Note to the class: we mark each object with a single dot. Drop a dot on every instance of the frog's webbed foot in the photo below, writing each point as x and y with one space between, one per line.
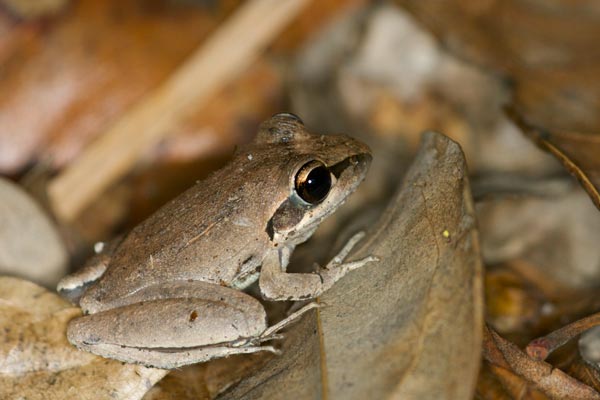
276 284
271 332
337 268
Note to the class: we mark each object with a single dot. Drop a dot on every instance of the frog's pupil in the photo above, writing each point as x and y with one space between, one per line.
314 186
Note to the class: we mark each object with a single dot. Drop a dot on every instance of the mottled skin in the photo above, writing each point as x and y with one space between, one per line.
168 294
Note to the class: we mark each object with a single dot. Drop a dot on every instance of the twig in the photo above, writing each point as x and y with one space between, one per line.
541 347
223 56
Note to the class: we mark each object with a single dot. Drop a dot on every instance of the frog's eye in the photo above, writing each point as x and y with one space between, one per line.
313 182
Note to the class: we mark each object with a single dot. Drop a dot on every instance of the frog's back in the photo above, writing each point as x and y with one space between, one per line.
207 234
221 228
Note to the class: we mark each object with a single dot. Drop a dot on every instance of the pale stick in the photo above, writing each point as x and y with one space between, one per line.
223 56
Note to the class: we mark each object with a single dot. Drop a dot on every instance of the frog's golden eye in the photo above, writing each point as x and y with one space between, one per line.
313 182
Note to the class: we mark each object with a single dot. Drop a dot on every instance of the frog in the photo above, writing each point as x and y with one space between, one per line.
173 291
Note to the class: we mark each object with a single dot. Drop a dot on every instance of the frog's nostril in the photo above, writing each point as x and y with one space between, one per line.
91 340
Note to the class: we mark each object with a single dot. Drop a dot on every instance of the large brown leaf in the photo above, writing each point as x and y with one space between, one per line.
414 320
409 326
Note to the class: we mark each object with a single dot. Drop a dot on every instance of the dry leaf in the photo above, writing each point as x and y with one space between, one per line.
556 234
413 321
549 53
72 72
30 246
504 355
208 380
548 50
380 70
499 383
512 304
585 371
27 9
578 152
589 345
37 361
295 374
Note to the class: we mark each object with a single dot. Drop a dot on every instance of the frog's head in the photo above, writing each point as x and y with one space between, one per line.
320 172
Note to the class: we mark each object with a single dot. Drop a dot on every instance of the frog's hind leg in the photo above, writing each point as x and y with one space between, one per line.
166 359
174 324
271 332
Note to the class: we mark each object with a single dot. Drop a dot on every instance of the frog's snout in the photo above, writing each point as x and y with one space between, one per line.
358 163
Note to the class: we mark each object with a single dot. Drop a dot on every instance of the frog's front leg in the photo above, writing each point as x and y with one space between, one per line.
175 324
276 284
74 285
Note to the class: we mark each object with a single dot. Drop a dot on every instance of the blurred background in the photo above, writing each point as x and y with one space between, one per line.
108 109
